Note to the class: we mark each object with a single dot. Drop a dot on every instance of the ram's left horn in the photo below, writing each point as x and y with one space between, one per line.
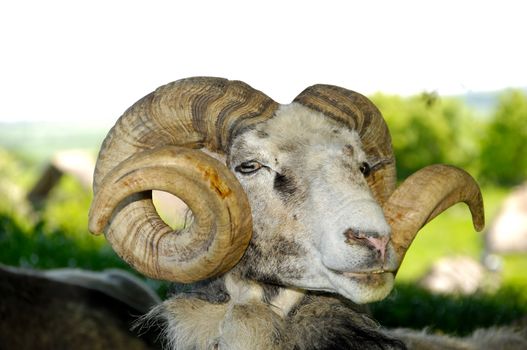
426 194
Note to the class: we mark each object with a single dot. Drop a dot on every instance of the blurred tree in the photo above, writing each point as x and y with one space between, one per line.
504 144
427 129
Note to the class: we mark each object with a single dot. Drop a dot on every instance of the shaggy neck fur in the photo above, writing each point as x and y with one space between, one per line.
231 313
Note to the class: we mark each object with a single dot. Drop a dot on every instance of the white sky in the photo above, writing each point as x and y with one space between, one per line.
90 60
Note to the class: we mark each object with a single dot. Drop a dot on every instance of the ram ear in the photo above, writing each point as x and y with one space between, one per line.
426 194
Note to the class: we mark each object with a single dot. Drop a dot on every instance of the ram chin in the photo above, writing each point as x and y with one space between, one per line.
362 288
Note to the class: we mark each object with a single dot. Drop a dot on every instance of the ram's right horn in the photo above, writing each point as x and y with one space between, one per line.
426 194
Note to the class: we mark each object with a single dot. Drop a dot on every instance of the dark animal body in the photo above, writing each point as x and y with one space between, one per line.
38 312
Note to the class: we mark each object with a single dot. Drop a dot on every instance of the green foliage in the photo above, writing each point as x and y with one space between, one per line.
504 144
427 129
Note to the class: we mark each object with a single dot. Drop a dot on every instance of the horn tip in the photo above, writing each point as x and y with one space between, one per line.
478 213
479 223
96 223
95 228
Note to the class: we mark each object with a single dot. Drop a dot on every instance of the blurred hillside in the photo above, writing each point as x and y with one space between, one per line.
38 141
483 102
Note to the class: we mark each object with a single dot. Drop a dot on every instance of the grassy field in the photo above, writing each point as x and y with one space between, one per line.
57 236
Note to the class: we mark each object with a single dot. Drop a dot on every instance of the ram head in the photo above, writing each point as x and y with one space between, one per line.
303 195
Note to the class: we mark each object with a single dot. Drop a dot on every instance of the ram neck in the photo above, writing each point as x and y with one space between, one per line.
280 299
235 313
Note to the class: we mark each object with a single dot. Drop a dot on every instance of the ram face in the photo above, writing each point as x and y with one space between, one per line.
306 196
318 225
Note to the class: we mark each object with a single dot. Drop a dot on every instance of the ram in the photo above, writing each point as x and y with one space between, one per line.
296 216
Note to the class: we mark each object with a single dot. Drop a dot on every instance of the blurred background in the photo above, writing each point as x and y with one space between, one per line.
449 77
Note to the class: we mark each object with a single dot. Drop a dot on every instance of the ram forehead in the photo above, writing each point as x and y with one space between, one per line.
294 129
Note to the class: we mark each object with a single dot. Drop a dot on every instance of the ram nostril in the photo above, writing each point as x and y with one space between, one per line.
373 240
352 235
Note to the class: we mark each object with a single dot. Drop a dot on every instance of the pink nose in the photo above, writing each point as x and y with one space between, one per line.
371 239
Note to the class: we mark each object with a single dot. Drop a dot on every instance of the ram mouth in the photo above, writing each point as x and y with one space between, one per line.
374 277
360 274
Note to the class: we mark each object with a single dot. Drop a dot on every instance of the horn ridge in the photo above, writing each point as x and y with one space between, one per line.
239 119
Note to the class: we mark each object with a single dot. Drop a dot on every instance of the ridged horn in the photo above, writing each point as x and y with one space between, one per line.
424 195
154 146
357 112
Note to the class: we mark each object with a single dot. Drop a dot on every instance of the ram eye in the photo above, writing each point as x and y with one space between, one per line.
365 169
249 167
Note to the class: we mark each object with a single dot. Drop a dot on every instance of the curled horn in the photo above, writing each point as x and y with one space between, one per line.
426 194
154 145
